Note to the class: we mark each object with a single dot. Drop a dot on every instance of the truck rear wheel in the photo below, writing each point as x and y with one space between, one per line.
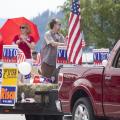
83 110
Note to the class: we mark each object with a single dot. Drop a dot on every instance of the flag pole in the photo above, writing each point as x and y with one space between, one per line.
71 2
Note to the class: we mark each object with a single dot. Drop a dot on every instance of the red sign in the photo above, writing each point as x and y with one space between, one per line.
36 79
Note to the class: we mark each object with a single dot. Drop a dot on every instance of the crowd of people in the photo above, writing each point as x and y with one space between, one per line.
52 39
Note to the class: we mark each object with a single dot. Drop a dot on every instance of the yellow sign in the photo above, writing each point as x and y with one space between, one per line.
10 77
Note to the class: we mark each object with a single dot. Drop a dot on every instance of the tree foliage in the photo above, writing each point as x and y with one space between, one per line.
100 21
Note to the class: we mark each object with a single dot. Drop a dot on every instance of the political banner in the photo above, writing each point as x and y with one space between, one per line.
27 79
1 65
10 53
62 55
36 79
41 79
8 96
99 55
1 76
10 76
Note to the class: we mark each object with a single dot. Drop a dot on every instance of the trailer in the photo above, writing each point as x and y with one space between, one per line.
38 101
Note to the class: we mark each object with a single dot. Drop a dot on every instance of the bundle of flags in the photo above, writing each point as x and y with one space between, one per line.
75 36
21 58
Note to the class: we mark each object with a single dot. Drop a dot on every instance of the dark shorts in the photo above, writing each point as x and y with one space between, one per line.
47 70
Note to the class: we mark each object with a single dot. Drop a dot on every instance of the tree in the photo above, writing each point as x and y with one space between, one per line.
100 21
66 9
42 21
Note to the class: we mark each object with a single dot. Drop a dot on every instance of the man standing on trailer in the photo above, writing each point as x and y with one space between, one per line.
53 38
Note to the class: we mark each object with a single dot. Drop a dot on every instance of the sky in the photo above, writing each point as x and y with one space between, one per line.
27 8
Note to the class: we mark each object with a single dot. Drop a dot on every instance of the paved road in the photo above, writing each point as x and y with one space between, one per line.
11 117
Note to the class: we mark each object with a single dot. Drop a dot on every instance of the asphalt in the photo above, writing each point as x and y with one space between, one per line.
11 117
16 117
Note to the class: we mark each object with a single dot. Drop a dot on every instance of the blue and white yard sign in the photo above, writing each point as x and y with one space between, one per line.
99 55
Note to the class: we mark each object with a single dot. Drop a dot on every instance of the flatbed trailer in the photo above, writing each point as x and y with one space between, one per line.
46 109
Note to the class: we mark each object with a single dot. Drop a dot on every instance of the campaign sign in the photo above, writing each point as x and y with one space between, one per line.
99 55
8 96
1 65
62 55
41 79
36 79
0 75
27 78
10 76
10 53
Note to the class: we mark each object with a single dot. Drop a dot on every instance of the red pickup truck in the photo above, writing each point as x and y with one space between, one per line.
91 92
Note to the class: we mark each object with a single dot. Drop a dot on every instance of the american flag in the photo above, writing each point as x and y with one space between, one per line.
75 40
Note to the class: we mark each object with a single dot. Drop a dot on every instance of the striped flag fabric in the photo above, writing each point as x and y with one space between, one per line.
21 56
74 49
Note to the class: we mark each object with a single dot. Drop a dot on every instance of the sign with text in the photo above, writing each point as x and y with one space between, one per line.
99 55
10 76
62 55
8 96
1 75
10 53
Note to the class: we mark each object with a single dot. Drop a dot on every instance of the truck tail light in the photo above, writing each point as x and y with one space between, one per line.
60 80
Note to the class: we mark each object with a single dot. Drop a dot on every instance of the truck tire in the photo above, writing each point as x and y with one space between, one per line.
83 110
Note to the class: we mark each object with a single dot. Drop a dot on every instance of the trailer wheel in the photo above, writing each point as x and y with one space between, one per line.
83 110
29 117
37 117
53 117
34 117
